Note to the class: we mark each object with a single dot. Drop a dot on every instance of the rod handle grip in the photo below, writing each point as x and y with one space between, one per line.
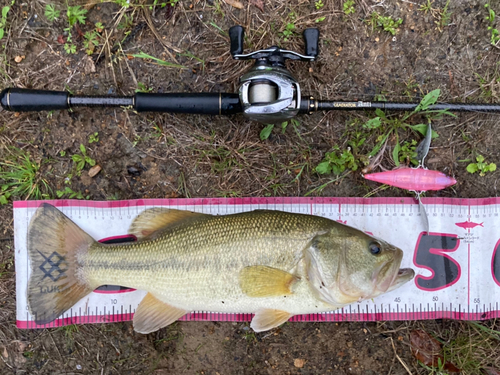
26 100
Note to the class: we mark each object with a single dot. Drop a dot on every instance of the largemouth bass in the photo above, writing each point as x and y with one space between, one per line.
271 263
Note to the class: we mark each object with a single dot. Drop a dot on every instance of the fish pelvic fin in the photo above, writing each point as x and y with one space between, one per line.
56 247
153 314
264 281
155 219
266 319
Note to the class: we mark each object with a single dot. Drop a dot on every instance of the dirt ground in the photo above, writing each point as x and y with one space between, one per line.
169 156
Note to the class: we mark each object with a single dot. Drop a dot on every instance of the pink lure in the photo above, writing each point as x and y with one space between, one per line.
418 179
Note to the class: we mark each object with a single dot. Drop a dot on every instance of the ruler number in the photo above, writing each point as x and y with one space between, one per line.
397 299
433 253
435 298
114 301
477 300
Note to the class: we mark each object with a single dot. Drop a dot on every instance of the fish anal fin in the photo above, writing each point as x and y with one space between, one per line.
154 219
153 314
265 319
264 281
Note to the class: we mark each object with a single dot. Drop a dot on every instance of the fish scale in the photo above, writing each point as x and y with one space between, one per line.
177 265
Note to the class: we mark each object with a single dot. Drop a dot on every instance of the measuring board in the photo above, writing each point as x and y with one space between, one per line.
457 264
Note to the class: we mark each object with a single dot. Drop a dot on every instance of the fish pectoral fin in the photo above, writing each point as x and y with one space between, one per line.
154 219
265 319
264 281
153 314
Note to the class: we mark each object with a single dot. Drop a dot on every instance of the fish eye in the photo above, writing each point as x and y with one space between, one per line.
374 248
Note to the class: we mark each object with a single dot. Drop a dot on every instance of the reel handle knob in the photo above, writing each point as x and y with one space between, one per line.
236 35
311 39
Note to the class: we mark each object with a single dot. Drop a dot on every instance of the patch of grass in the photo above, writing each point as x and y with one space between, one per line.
427 7
69 193
3 19
163 3
94 137
76 14
122 3
141 87
92 38
387 23
348 7
289 30
69 330
21 178
488 86
407 152
51 12
441 16
266 132
222 159
473 347
337 161
481 166
81 159
161 62
127 22
191 56
494 33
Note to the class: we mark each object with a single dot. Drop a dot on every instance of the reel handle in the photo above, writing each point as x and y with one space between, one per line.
272 54
311 41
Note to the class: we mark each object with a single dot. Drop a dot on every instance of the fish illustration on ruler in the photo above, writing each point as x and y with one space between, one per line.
468 225
270 263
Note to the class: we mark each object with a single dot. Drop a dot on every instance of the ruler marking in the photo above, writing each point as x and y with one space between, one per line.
319 207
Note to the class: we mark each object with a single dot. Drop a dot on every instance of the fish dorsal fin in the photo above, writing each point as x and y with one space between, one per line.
153 314
265 319
264 281
154 219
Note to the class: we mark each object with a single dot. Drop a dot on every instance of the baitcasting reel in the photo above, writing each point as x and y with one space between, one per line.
268 92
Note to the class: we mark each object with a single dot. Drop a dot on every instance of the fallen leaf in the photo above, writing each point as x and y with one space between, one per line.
94 170
89 66
18 59
427 350
234 3
298 362
258 3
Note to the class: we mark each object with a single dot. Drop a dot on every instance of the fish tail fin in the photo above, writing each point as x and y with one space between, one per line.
56 247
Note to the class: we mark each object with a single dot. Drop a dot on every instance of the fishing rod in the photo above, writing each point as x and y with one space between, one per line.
268 92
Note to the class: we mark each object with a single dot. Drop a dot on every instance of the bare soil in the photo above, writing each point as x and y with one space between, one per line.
168 156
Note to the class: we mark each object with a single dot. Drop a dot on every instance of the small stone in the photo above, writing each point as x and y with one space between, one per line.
298 362
377 39
94 170
18 59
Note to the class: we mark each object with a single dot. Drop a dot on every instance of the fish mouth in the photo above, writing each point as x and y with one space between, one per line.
384 282
402 277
